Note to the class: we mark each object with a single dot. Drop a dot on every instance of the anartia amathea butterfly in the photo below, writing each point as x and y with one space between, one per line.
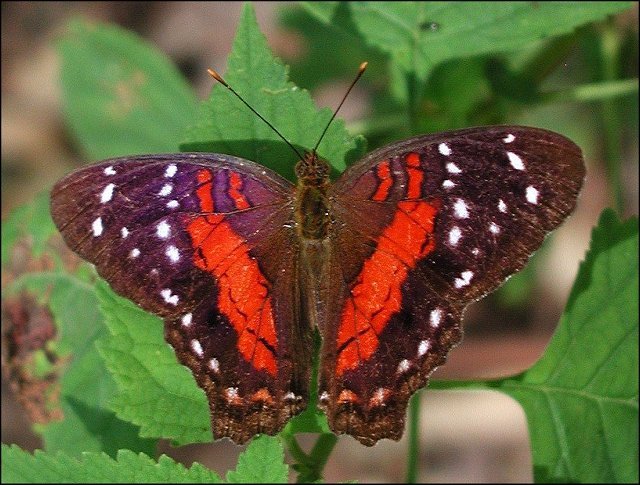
241 264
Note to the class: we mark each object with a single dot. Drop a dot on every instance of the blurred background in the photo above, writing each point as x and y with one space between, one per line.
466 436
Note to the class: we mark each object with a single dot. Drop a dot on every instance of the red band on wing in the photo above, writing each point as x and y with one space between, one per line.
204 190
384 174
377 295
243 295
235 187
415 176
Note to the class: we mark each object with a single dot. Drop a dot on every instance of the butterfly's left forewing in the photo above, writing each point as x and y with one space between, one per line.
206 242
420 229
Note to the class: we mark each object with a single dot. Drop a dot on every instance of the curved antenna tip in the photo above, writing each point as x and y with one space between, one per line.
214 74
361 69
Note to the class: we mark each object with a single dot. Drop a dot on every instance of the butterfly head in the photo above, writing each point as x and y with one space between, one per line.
312 171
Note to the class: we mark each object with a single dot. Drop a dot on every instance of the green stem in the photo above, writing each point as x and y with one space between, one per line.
413 438
310 466
292 445
469 384
611 122
320 455
600 91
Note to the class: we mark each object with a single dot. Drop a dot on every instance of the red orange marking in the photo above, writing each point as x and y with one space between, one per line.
263 395
243 296
415 176
377 296
384 174
347 396
235 187
204 191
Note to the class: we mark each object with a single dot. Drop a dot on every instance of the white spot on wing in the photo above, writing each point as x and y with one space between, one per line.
187 319
453 168
135 252
214 365
378 397
435 317
232 392
107 193
124 232
494 228
96 227
509 138
109 170
447 184
172 204
454 235
460 209
173 254
163 230
324 397
444 149
197 348
171 170
515 160
424 347
502 207
289 396
464 280
168 297
403 366
165 190
475 251
532 195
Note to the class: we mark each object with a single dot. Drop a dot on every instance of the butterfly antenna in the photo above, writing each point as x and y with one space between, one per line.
218 78
361 70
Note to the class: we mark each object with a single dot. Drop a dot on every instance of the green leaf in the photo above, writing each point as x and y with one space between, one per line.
31 221
329 53
155 391
311 420
19 466
261 462
121 96
420 35
225 125
581 397
85 386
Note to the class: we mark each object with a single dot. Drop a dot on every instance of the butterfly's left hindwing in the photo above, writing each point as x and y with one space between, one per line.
206 242
421 228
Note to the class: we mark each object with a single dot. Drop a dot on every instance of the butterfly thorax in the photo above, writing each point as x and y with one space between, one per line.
312 213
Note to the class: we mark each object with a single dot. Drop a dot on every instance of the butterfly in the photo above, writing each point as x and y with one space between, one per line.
242 264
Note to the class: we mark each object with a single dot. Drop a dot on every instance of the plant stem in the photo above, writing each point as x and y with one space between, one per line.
600 91
610 50
413 438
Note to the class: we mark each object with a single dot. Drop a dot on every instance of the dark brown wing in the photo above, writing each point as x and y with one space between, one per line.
205 241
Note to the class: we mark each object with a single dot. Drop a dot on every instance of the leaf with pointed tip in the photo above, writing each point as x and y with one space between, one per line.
225 125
